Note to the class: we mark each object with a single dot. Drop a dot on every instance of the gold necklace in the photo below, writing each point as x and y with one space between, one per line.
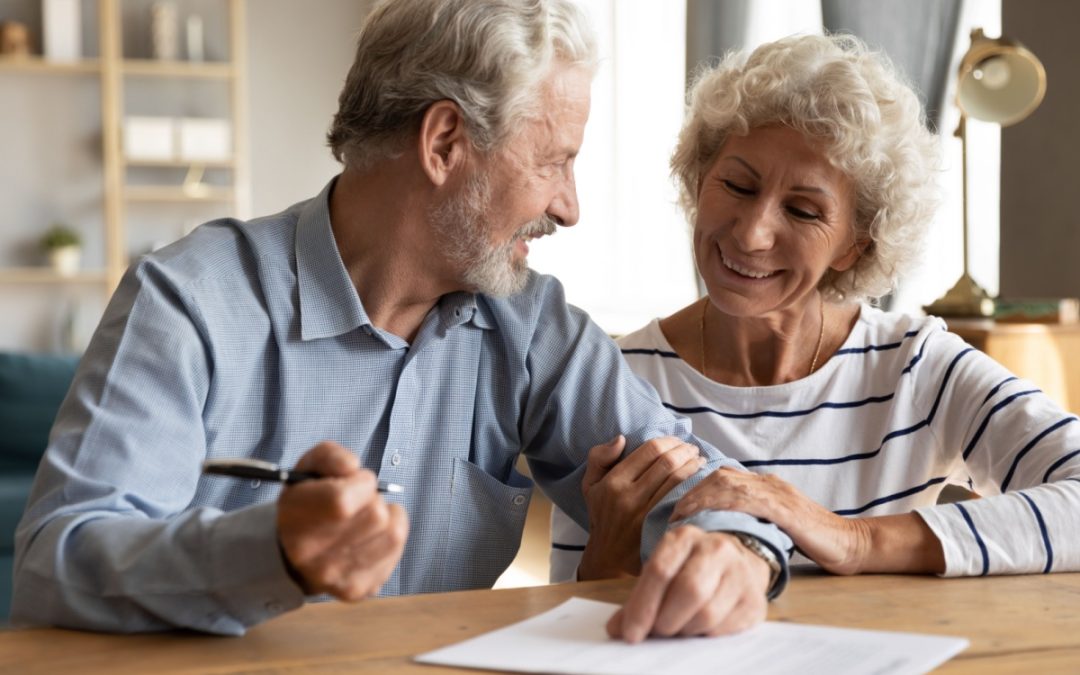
817 349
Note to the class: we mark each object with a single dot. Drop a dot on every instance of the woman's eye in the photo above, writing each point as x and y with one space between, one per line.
737 189
803 215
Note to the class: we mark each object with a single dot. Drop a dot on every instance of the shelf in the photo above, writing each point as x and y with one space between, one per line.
36 64
182 69
165 193
178 163
46 275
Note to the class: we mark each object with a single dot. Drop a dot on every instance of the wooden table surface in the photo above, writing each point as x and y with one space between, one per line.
1015 624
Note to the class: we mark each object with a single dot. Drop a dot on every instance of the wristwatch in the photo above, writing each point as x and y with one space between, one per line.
762 551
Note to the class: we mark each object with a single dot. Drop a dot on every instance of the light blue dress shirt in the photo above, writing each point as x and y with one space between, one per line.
248 339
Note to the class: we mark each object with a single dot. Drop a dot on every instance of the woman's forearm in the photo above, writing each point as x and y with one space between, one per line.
901 544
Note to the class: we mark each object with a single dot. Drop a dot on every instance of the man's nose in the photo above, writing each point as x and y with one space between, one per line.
563 208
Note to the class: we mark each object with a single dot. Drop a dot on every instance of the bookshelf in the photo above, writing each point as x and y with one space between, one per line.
114 74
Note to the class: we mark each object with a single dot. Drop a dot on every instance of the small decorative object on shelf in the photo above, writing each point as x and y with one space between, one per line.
14 39
62 26
204 139
64 249
164 41
149 138
196 46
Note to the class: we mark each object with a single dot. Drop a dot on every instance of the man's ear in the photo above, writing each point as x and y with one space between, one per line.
443 143
851 256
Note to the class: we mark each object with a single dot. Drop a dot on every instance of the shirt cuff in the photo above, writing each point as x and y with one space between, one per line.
250 576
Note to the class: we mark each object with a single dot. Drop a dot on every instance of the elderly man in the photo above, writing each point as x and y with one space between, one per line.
394 315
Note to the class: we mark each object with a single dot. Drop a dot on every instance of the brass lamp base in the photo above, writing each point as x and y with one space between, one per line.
965 299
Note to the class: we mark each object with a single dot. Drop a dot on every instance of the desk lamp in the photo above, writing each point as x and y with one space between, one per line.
998 81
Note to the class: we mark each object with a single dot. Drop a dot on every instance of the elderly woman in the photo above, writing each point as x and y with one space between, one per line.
807 173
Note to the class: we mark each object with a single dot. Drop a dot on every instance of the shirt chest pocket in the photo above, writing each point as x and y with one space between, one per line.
485 524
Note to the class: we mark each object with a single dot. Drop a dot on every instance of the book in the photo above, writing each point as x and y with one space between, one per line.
1037 310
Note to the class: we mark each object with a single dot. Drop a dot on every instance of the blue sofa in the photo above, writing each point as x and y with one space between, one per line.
31 390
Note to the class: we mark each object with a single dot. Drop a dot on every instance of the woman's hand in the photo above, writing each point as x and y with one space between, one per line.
839 545
620 494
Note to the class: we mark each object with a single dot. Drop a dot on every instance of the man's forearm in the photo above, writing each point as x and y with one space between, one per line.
202 571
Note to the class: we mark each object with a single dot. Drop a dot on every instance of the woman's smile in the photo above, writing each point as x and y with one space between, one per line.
752 273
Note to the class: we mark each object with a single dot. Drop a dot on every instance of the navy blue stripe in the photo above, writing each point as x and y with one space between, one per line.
1055 465
888 437
1020 455
999 386
945 381
918 356
978 539
566 547
840 352
652 352
876 348
1045 534
993 411
780 413
837 460
891 498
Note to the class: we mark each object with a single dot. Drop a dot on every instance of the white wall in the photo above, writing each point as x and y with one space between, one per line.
299 55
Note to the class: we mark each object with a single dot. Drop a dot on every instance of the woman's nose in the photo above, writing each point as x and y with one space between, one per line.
754 228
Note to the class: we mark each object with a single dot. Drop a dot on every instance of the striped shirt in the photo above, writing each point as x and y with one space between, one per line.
902 409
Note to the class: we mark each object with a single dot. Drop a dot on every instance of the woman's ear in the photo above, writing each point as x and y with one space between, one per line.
849 257
443 142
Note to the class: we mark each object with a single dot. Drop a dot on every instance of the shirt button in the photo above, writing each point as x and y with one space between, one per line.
395 459
255 484
273 607
457 312
519 500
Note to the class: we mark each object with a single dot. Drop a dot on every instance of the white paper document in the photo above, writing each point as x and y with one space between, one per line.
571 639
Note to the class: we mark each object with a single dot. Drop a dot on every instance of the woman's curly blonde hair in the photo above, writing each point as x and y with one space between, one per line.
835 90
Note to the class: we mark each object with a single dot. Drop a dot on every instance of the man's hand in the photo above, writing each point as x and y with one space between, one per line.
621 494
337 533
695 583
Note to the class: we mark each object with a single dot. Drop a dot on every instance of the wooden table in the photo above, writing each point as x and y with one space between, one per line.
1015 624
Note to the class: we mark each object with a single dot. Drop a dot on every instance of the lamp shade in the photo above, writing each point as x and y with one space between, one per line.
999 80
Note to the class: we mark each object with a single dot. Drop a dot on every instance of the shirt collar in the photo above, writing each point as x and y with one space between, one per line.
456 309
329 303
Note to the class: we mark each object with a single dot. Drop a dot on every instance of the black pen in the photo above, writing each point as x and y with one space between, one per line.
260 470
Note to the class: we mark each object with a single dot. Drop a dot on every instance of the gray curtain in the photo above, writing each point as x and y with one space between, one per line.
713 27
918 35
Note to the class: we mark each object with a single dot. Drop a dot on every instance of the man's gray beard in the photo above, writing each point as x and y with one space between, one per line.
462 230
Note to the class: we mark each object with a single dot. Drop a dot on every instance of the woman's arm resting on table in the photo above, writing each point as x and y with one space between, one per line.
899 544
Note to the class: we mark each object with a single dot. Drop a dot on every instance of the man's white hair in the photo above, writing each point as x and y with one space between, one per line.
488 56
833 89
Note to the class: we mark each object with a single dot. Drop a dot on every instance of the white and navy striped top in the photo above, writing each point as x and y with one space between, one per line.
902 409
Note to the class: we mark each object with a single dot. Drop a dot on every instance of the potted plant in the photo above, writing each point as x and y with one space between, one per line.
63 246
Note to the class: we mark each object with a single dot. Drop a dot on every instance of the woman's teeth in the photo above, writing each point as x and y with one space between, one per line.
743 271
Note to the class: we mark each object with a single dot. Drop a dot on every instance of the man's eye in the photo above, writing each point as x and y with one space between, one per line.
737 189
